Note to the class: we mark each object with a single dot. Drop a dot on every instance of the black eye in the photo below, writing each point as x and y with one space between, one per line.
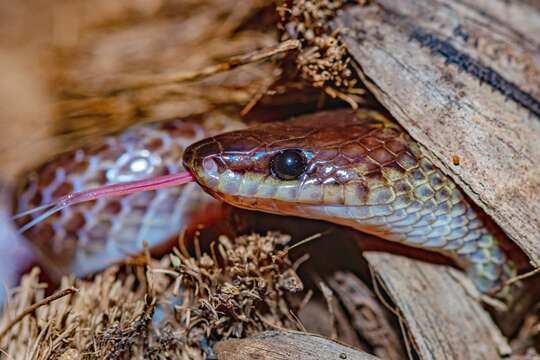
288 164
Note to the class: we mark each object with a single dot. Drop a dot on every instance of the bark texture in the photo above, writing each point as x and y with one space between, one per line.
293 345
463 78
443 320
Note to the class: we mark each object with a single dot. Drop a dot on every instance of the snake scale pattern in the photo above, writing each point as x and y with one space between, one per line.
354 168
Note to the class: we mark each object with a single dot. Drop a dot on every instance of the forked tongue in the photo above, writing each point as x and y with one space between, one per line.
118 189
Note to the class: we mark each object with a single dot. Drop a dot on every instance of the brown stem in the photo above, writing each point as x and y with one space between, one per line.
138 82
33 307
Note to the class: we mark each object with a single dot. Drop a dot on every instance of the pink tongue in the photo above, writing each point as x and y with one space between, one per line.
118 189
125 188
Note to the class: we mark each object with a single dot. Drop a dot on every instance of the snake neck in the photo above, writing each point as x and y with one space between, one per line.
434 216
360 170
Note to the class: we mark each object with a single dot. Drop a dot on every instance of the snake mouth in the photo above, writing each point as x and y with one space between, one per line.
236 178
199 160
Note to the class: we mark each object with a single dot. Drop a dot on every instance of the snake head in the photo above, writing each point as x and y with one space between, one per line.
355 169
329 158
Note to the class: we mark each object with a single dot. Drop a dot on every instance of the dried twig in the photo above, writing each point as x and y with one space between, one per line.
520 277
132 82
330 302
33 307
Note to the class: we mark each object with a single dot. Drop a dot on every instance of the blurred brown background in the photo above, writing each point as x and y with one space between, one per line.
69 67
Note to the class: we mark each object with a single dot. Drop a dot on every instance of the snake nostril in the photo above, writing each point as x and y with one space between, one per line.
195 153
209 166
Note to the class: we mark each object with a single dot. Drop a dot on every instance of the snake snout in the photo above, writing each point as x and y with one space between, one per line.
198 158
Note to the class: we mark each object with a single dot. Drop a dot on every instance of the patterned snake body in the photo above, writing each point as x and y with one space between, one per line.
90 236
357 169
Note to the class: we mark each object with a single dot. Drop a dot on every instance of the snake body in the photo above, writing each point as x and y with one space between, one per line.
90 236
361 170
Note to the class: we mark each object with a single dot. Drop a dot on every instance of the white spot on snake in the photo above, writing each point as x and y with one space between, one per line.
133 165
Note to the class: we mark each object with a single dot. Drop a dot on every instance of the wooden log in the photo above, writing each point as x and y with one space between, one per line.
287 345
368 315
442 319
463 79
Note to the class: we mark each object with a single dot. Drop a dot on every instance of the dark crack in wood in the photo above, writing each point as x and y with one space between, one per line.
448 110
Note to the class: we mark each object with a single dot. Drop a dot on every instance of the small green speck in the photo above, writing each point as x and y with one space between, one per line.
342 356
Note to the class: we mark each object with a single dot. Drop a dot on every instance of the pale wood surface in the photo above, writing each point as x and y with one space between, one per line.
287 345
416 56
442 319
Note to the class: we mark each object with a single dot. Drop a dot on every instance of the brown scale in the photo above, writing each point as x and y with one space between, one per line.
380 159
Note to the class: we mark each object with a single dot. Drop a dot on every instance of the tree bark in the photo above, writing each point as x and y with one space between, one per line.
463 78
285 345
442 320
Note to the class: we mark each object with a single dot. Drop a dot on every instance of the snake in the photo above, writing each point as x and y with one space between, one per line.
356 168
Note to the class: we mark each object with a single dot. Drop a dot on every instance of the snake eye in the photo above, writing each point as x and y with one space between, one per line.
288 164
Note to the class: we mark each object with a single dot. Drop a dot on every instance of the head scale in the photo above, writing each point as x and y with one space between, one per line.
330 158
354 169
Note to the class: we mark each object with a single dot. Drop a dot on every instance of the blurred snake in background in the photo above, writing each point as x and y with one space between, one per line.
353 168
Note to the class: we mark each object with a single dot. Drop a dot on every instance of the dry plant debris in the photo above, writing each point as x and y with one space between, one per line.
71 53
323 60
64 57
527 340
177 307
177 41
244 296
279 345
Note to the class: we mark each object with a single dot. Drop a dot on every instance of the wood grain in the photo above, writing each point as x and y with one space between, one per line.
465 83
443 321
285 345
